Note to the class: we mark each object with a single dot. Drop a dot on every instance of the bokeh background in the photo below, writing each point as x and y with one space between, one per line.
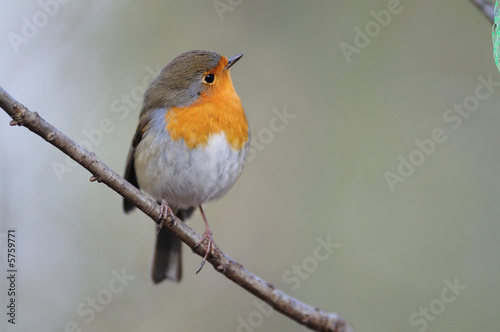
351 120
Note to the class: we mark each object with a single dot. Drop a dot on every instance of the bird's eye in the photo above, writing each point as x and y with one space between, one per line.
210 78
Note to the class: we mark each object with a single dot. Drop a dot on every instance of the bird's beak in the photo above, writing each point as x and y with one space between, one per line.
233 60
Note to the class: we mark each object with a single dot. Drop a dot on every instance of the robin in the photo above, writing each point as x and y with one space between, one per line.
189 147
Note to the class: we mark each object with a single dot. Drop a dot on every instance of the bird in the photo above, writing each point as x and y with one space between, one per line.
189 147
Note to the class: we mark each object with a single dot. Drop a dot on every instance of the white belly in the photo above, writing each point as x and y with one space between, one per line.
183 177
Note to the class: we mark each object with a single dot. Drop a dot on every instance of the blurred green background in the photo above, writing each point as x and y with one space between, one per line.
321 175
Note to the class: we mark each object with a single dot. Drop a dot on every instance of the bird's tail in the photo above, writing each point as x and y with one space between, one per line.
167 261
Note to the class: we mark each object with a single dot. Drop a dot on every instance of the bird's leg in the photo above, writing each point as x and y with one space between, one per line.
165 210
206 235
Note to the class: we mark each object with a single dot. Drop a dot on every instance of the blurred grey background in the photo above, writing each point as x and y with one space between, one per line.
419 253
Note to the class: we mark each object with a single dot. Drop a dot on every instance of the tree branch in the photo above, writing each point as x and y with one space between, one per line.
487 8
302 313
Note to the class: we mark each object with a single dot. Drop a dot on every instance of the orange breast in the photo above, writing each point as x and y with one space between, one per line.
218 110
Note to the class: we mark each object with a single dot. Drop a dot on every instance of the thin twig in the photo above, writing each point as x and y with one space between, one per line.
302 313
487 8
